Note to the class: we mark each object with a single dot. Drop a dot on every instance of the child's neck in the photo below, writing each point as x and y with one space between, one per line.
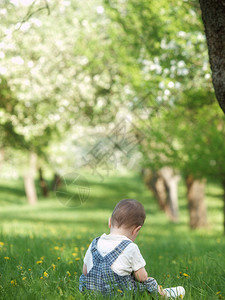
121 231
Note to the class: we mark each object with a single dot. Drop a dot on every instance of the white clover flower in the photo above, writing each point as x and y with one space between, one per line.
171 84
100 10
17 60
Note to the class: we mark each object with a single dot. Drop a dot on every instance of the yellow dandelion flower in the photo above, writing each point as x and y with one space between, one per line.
74 254
53 267
29 270
45 274
24 278
75 273
119 291
13 282
56 248
68 274
39 262
42 258
77 258
2 244
58 258
168 275
6 258
41 277
181 296
76 249
217 293
185 275
82 248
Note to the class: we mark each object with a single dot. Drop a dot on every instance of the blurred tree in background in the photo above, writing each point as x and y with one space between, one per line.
168 42
71 71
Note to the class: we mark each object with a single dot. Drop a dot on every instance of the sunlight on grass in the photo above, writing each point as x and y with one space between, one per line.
41 248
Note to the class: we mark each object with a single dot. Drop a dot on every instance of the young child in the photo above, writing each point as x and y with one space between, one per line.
113 262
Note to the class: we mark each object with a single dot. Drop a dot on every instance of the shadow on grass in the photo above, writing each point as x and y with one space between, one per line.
215 195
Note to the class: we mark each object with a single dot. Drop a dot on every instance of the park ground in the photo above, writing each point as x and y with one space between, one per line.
41 247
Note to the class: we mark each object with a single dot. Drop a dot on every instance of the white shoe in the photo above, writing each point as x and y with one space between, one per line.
175 292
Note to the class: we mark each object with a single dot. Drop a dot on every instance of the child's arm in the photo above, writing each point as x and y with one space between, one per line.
85 269
87 259
141 274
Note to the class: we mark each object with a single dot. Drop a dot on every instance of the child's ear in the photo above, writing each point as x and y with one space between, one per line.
109 222
136 229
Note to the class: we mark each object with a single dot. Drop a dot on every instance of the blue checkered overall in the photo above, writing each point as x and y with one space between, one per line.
102 279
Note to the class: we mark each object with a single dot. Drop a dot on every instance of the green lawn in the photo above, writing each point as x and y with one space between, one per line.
41 248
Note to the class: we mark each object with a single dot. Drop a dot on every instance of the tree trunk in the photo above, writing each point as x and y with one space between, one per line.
29 180
213 16
196 202
171 181
57 181
43 183
155 182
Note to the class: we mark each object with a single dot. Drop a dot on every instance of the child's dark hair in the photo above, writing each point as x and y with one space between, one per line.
128 213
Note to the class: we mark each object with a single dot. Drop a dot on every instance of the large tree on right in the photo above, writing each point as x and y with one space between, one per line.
213 15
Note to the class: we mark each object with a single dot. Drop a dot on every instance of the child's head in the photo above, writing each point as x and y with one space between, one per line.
128 213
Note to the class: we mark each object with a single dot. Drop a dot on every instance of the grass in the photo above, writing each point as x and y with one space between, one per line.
41 247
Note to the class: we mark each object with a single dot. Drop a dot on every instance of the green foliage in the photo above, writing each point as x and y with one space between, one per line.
167 41
8 112
55 68
62 74
185 130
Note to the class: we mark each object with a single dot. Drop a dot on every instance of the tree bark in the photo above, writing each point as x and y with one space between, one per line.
213 16
164 189
43 184
196 202
171 181
157 186
29 180
57 181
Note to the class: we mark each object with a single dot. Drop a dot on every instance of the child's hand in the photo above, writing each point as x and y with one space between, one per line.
84 269
161 291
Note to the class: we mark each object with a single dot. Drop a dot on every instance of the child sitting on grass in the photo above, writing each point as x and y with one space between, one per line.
113 263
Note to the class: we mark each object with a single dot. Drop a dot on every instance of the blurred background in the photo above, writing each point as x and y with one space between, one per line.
92 90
